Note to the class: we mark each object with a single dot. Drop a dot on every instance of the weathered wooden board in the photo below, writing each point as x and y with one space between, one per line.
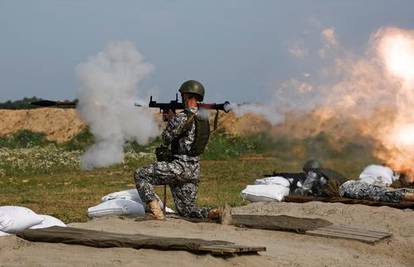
303 199
356 230
315 227
100 239
230 249
348 232
279 222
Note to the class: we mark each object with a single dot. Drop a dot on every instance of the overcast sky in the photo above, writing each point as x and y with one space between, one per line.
238 49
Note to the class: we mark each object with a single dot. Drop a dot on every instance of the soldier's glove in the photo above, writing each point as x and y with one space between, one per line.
163 153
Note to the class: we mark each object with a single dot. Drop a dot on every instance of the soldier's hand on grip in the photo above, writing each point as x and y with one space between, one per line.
163 153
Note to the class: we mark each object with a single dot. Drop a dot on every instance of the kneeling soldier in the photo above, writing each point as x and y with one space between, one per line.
178 166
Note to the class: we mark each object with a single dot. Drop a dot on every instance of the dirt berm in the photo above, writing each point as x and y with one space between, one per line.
57 124
62 124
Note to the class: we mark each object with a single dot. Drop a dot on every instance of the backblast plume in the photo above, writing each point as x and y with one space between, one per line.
109 85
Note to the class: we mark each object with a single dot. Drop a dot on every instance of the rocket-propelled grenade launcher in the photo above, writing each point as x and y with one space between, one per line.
165 108
174 105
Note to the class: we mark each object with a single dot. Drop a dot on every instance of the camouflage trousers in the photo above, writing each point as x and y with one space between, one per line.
361 190
181 176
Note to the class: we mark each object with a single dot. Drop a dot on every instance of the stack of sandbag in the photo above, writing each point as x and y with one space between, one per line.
14 219
267 189
378 175
122 203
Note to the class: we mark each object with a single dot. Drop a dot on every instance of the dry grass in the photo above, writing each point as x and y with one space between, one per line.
46 177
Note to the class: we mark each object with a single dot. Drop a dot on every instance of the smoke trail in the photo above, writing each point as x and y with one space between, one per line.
108 89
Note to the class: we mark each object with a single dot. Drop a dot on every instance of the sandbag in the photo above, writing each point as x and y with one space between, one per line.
14 219
257 193
5 221
48 221
273 180
131 194
124 207
377 175
3 234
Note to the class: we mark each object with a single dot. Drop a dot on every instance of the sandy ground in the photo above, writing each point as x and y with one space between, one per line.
283 248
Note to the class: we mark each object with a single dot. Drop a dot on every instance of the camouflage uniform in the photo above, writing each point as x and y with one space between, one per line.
322 183
361 190
181 174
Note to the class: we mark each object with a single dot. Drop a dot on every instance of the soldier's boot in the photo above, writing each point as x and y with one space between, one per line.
409 196
222 214
214 214
156 212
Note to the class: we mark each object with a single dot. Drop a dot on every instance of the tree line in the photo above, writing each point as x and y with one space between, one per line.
19 104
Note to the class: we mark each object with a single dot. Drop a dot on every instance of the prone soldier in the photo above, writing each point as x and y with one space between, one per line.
362 190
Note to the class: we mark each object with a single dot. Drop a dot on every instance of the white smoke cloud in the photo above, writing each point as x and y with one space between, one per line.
109 86
291 95
271 113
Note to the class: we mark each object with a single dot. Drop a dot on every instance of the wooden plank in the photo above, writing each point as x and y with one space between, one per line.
351 232
100 239
317 227
304 199
328 232
355 230
233 249
348 232
279 222
353 227
345 231
322 233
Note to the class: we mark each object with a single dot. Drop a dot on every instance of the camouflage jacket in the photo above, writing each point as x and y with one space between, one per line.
177 129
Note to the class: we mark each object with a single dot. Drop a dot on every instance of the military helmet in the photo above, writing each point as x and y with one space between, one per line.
193 87
311 165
